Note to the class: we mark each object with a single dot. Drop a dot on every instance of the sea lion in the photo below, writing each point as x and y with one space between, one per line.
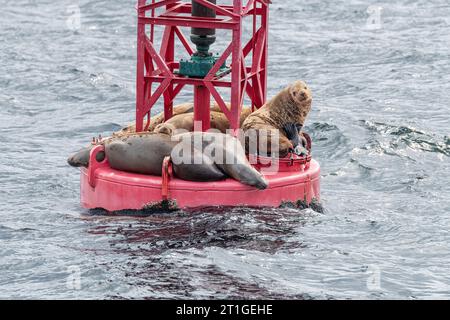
245 112
157 119
178 121
81 158
222 122
226 152
185 122
282 116
144 153
185 108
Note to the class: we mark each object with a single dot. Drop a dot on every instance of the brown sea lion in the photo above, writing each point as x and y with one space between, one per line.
282 116
222 122
144 153
185 122
157 119
218 121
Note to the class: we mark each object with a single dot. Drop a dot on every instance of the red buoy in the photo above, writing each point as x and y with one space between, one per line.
297 178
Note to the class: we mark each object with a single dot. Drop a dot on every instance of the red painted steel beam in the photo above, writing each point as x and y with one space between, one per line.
152 6
186 9
220 62
190 22
184 41
265 58
236 101
140 80
160 62
191 81
250 80
202 107
168 52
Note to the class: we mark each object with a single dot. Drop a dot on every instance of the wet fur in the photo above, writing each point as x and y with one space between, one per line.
185 122
289 107
185 108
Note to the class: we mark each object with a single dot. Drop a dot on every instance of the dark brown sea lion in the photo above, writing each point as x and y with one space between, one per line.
226 152
208 156
245 112
81 157
282 117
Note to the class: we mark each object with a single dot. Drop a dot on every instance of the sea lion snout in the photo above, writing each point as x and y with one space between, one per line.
165 128
261 184
303 96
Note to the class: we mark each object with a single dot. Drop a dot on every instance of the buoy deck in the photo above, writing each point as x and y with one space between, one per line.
112 190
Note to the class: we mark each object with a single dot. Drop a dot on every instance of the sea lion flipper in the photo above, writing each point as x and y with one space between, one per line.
196 167
245 174
235 163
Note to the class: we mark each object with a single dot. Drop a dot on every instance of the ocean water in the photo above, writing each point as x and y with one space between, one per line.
380 75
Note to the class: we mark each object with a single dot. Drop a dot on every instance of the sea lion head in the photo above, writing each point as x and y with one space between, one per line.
291 105
301 97
165 128
300 93
82 157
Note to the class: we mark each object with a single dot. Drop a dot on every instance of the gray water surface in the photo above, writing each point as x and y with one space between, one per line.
381 133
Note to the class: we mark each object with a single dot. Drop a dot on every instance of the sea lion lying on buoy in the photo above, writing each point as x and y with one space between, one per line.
144 153
204 156
245 112
157 119
282 116
185 122
81 158
186 108
226 152
183 119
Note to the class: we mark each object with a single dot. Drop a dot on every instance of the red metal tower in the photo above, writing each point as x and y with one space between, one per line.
158 65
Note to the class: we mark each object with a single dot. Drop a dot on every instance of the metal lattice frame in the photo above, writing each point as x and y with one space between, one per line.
158 66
